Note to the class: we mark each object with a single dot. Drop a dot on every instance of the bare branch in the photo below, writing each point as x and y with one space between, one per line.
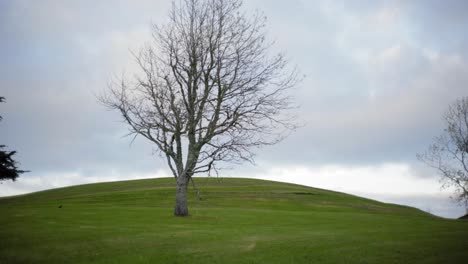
448 154
209 88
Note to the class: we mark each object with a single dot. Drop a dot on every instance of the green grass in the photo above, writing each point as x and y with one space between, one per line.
238 221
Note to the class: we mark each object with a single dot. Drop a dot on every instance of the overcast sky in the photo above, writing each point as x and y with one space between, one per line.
379 76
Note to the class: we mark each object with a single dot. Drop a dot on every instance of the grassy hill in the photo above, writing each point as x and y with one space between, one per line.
238 221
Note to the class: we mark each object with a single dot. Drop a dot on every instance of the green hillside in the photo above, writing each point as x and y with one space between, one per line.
237 221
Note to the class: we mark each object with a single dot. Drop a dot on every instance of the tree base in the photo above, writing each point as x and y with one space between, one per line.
181 212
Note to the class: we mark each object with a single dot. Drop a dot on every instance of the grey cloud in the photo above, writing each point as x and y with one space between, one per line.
391 126
371 107
50 78
379 76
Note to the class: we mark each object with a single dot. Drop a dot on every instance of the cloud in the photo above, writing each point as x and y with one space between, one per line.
368 80
373 91
65 54
387 178
393 182
379 77
50 181
388 182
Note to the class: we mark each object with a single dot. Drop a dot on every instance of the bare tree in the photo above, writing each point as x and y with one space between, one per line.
449 151
210 90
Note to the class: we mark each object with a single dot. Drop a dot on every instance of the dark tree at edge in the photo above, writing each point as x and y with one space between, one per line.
8 166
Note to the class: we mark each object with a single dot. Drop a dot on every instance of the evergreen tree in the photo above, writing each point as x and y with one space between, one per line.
8 166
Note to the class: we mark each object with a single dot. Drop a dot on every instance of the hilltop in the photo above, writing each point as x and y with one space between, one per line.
237 221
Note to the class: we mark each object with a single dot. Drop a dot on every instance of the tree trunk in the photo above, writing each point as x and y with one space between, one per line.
181 207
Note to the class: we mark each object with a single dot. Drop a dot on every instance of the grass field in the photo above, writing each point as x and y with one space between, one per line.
238 221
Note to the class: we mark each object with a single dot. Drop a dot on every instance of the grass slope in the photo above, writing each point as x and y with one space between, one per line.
238 221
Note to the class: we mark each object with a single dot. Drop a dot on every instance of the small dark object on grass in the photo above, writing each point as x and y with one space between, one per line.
60 206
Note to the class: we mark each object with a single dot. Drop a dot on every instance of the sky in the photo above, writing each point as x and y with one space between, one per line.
378 77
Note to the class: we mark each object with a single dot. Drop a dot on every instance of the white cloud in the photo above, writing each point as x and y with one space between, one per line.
388 182
386 16
389 178
34 183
